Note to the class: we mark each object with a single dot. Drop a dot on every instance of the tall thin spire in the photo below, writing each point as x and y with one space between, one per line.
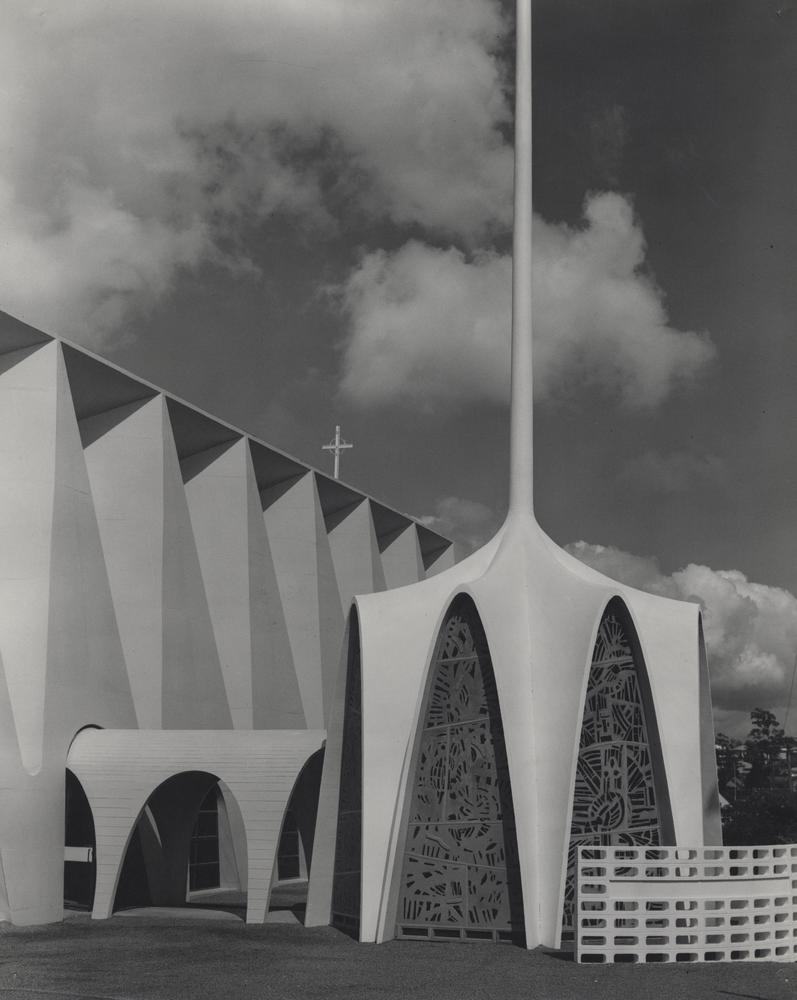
521 486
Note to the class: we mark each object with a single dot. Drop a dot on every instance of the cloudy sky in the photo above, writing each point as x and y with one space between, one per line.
296 213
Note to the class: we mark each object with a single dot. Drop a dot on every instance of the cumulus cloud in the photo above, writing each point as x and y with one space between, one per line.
750 628
433 325
468 521
427 326
134 138
674 472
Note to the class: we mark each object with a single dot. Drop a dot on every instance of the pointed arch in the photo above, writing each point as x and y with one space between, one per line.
458 855
620 793
347 872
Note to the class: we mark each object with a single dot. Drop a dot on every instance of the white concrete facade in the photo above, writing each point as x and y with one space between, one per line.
540 610
159 570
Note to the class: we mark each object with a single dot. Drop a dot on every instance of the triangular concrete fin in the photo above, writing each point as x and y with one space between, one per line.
216 489
355 555
291 529
443 558
92 428
197 462
331 618
337 500
87 680
194 696
377 569
28 401
388 523
195 431
12 358
14 334
272 468
125 466
401 558
98 386
277 702
437 552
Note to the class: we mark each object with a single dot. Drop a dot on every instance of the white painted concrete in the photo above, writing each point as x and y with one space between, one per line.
120 582
120 769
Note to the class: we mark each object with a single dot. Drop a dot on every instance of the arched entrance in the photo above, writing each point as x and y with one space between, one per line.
620 792
80 847
164 853
459 870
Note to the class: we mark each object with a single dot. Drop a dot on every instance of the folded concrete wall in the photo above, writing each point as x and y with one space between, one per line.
159 569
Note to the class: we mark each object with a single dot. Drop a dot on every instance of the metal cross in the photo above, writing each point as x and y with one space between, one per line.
336 446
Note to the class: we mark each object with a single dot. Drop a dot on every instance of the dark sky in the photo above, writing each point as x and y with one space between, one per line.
707 147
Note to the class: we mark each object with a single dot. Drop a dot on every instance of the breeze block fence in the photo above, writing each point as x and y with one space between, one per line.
673 904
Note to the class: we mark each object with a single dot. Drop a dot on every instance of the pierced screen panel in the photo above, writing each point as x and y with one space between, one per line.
460 869
614 801
346 878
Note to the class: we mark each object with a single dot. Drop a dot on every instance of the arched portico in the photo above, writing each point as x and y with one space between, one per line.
158 852
130 777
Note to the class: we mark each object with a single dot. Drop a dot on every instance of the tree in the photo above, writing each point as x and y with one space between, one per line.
764 749
766 816
755 776
728 754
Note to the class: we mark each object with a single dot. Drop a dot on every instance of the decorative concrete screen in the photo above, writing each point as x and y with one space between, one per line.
460 878
668 904
614 798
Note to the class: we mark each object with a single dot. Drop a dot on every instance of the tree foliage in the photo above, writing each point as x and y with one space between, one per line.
758 780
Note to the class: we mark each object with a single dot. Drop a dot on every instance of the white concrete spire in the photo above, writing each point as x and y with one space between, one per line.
521 499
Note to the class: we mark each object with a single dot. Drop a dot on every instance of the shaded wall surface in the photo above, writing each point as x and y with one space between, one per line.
159 569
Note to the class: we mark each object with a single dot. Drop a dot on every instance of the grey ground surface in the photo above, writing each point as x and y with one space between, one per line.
169 958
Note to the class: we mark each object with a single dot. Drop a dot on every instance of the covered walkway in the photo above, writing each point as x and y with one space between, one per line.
121 770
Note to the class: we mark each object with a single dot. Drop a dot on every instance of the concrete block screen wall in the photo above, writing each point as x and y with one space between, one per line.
713 904
159 570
